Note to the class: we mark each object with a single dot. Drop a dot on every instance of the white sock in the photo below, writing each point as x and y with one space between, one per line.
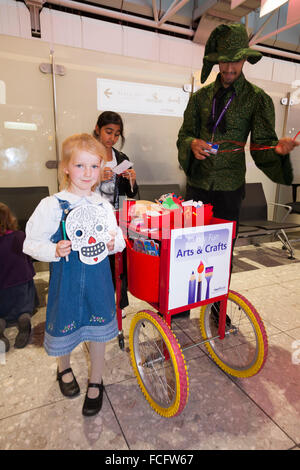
63 364
97 353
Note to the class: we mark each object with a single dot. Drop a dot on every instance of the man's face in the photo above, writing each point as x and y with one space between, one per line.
230 71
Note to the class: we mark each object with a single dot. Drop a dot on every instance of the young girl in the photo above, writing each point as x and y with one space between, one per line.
108 129
81 305
18 297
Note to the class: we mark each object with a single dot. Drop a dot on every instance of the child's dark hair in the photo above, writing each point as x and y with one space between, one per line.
7 220
110 117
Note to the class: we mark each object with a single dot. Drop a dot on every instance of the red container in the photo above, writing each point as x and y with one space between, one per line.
159 226
143 274
202 215
208 213
126 209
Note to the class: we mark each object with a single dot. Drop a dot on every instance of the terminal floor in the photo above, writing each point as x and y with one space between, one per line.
261 412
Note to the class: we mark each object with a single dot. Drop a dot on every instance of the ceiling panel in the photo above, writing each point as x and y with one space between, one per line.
193 19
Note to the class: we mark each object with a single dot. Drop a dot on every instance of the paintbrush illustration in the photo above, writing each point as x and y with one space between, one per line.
208 276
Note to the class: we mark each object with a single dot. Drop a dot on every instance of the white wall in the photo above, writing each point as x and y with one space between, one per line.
76 31
87 33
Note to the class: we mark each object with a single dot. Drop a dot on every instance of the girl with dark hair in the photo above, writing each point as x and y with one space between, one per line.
109 128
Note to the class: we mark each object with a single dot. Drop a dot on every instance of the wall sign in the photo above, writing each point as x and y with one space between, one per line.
140 98
199 263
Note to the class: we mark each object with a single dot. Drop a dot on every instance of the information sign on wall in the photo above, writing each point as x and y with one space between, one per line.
140 98
199 263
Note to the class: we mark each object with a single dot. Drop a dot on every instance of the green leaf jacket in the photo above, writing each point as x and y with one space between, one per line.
251 111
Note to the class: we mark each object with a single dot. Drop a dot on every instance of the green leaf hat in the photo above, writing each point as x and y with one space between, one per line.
227 43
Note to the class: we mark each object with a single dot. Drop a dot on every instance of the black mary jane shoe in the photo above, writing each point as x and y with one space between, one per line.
92 406
68 389
23 336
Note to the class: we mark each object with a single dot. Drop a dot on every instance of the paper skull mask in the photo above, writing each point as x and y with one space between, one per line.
87 228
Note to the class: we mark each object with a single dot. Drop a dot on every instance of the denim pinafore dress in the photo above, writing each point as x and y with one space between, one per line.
81 301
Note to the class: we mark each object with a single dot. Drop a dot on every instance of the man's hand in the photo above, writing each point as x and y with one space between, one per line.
200 149
286 145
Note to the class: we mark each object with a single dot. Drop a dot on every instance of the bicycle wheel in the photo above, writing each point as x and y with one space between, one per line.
158 364
243 351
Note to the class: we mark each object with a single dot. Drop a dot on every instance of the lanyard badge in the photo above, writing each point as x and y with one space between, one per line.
215 147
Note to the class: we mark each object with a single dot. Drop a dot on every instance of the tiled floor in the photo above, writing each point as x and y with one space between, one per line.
261 412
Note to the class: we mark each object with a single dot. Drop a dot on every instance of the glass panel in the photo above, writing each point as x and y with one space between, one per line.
27 138
285 192
150 139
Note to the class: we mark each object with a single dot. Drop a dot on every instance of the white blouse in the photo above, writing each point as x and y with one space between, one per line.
46 219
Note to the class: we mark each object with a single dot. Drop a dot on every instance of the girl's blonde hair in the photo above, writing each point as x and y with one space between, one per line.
73 144
7 220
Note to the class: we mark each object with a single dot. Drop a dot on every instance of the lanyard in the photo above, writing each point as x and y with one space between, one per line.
221 114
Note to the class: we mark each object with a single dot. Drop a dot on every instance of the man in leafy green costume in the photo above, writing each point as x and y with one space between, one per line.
220 178
224 113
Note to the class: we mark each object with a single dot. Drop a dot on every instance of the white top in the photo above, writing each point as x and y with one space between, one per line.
46 219
111 163
107 188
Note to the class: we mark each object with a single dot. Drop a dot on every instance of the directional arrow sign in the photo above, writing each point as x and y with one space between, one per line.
140 98
107 93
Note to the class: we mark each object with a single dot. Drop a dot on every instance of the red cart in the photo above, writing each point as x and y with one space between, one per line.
237 341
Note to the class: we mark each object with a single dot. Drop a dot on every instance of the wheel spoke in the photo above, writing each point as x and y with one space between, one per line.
158 377
155 375
158 363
